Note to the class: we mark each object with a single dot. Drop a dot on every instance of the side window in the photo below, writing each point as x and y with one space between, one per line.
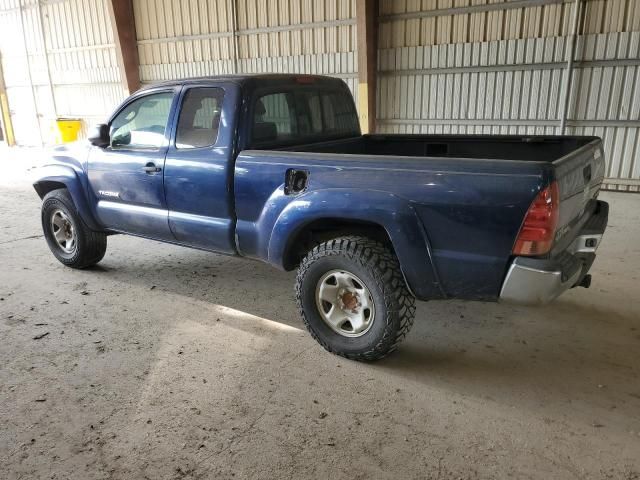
309 113
315 113
303 115
143 122
329 113
199 118
273 118
339 113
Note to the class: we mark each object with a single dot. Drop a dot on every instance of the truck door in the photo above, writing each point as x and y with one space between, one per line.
126 176
198 177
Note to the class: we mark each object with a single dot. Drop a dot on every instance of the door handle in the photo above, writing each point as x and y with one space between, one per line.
151 168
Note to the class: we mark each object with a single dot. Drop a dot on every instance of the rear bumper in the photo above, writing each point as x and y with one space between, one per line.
537 281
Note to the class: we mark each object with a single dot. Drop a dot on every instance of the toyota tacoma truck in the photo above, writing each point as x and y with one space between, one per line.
274 168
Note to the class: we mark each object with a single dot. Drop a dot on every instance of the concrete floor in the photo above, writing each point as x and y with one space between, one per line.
173 363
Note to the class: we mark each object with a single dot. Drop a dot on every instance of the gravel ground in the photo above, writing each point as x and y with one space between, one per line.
166 362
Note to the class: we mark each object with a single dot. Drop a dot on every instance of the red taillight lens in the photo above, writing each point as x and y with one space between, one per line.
540 222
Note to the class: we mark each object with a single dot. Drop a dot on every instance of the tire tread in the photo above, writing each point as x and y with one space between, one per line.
92 246
399 302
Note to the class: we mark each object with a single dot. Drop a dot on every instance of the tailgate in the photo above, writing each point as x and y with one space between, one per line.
579 175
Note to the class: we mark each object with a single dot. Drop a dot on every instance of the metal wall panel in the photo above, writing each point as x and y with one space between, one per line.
21 61
187 38
82 59
483 66
59 59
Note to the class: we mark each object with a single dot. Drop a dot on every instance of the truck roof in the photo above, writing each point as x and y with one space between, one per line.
252 78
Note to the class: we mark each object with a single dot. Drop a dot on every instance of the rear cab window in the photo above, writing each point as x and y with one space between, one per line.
302 114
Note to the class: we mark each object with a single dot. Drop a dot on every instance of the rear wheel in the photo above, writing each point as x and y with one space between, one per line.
353 299
69 239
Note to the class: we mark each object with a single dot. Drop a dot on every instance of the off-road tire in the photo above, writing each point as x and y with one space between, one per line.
90 246
379 269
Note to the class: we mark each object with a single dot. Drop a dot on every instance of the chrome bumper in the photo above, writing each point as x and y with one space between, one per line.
529 285
536 281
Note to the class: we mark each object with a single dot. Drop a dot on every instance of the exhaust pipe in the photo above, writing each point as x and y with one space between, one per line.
585 282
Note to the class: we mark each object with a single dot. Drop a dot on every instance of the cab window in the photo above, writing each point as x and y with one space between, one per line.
199 118
302 115
273 118
142 123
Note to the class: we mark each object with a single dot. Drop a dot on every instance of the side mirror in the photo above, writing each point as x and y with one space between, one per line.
99 135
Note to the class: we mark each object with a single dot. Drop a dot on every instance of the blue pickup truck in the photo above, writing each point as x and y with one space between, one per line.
275 168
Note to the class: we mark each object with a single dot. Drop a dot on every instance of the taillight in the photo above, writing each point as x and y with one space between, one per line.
540 223
305 79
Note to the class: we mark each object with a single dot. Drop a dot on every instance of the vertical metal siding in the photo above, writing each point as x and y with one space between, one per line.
17 50
62 64
82 59
197 38
481 66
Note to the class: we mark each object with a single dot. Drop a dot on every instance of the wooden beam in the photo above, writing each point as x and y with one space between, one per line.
4 110
367 35
124 32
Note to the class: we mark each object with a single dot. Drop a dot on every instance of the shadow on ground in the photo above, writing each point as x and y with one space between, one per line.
520 355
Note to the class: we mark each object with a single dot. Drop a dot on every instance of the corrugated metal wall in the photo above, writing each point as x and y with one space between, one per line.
459 66
184 38
59 59
27 103
494 66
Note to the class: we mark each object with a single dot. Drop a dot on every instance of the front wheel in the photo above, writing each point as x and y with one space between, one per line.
353 298
70 240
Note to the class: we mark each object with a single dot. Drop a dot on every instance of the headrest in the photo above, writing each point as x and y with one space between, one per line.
264 132
259 108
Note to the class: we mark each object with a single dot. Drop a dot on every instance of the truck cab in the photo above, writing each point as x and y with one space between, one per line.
168 146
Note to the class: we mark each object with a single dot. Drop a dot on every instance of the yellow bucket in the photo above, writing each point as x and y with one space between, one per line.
68 128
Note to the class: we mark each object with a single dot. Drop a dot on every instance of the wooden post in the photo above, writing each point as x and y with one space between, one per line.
4 109
124 33
367 25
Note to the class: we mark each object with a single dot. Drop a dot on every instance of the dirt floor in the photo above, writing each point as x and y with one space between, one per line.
167 362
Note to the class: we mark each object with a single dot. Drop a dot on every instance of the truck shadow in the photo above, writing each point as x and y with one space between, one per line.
564 358
519 355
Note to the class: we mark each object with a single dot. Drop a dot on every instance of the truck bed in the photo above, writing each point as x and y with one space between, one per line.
494 147
470 193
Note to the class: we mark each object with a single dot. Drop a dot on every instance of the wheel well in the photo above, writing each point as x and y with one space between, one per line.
46 186
325 229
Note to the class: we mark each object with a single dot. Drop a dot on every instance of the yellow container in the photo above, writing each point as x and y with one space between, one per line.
68 128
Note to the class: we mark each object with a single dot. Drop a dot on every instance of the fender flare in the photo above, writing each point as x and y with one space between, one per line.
67 176
394 214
